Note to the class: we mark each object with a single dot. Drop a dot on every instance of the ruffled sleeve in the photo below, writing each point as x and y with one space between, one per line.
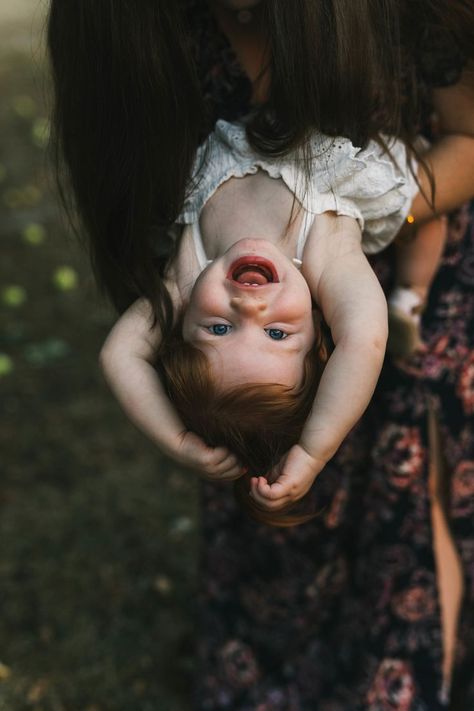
225 154
371 184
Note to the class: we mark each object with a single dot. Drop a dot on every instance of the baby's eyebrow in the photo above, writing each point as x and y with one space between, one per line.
285 345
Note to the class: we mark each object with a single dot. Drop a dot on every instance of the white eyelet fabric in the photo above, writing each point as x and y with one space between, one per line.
367 184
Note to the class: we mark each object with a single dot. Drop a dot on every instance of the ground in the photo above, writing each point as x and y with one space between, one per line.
98 531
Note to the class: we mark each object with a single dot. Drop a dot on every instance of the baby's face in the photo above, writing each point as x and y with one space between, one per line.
250 312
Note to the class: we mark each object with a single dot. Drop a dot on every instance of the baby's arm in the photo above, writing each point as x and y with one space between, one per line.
127 359
343 283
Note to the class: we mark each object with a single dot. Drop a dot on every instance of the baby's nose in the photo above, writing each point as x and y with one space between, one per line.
248 306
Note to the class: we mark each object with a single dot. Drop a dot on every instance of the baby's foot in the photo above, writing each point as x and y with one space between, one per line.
405 307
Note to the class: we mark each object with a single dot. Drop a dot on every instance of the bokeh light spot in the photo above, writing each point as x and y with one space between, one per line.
34 233
14 295
12 198
31 195
65 278
24 106
6 367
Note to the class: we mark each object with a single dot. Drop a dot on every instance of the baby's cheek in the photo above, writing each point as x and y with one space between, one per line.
206 298
297 301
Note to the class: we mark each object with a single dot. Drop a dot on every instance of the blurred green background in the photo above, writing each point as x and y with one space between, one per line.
98 531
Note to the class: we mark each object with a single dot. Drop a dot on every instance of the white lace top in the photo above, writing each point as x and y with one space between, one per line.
364 183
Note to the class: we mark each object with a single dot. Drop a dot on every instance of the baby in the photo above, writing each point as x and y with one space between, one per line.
261 252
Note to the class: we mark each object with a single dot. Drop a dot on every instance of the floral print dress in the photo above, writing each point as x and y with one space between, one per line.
343 613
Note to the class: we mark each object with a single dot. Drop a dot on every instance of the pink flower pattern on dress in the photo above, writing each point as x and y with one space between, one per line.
462 490
465 386
404 454
415 603
238 664
392 688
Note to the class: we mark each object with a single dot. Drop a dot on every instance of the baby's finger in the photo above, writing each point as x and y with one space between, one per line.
263 500
227 463
219 455
233 470
228 473
267 505
275 491
232 475
215 460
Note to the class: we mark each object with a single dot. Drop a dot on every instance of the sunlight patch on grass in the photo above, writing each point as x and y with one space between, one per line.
14 295
65 278
34 234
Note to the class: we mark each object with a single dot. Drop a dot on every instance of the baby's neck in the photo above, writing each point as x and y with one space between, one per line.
255 206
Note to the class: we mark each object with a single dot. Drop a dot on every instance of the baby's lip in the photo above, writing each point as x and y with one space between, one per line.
263 267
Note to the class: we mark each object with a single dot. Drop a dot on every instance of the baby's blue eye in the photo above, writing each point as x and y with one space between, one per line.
219 329
276 333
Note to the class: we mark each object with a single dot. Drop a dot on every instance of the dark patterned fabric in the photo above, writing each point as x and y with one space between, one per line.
342 613
225 86
438 58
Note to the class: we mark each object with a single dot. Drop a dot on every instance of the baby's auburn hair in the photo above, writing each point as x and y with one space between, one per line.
258 422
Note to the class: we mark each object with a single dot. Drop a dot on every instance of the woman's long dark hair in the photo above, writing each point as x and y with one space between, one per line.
126 121
129 113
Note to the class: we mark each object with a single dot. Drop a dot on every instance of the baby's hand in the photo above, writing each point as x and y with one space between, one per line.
292 478
214 463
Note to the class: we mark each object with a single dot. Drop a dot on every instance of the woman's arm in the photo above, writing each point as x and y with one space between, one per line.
451 158
127 360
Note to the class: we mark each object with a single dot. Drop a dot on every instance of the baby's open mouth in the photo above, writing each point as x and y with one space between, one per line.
253 271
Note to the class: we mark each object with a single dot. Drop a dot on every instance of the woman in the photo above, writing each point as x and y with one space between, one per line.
341 613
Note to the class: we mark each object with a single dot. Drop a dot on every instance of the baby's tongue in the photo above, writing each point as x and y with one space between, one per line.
250 276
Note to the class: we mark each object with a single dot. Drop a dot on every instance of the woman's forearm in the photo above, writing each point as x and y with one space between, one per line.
451 161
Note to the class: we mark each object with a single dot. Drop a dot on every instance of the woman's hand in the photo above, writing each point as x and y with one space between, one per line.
214 463
292 478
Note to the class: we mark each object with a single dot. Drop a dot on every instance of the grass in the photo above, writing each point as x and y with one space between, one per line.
98 531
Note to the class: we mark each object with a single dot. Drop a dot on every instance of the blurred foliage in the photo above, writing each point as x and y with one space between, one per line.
14 295
98 530
65 278
6 364
33 233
